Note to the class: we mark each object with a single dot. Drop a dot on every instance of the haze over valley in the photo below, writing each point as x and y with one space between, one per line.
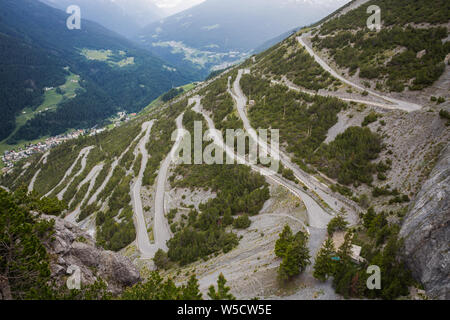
219 150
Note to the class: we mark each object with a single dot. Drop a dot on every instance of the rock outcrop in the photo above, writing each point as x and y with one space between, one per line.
426 231
74 247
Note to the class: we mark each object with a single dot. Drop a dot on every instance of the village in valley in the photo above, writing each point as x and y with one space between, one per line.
10 157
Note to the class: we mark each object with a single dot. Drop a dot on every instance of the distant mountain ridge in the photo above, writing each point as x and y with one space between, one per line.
217 33
125 17
39 53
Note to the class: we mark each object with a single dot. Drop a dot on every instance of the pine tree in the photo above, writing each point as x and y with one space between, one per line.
154 289
344 251
222 292
161 260
283 242
324 266
191 290
338 223
345 269
170 291
296 258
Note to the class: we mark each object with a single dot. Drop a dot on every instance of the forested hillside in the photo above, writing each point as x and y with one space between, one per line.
354 155
38 52
404 54
216 34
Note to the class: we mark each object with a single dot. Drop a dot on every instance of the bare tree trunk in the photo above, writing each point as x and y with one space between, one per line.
5 289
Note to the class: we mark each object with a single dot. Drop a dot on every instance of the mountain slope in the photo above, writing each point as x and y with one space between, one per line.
217 32
38 52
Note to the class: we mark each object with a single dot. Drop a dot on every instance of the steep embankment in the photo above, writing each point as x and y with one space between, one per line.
426 231
392 80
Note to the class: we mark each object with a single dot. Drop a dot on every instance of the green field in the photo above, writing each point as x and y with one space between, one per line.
107 56
157 102
67 91
98 55
189 86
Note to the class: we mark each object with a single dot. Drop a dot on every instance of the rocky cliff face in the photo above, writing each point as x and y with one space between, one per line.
73 247
426 231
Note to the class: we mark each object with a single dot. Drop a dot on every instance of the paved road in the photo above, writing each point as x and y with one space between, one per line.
33 180
142 240
91 177
85 153
370 103
161 229
336 202
317 216
69 171
114 164
395 103
24 169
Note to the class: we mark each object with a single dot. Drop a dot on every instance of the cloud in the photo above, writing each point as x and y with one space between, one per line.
174 6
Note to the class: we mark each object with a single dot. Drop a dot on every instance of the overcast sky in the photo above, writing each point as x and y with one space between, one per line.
174 6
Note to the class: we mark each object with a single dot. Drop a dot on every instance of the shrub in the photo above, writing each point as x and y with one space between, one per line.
338 223
242 222
372 117
161 260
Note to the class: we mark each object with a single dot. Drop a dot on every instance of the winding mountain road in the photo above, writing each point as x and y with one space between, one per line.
395 103
33 180
114 164
85 153
317 216
69 171
335 202
91 177
142 240
161 229
292 87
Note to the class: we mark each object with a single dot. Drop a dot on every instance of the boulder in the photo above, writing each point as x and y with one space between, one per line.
72 246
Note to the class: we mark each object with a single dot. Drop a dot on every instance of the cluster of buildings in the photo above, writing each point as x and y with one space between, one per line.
123 117
12 156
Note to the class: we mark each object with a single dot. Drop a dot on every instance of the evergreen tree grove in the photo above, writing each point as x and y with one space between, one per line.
294 252
191 290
